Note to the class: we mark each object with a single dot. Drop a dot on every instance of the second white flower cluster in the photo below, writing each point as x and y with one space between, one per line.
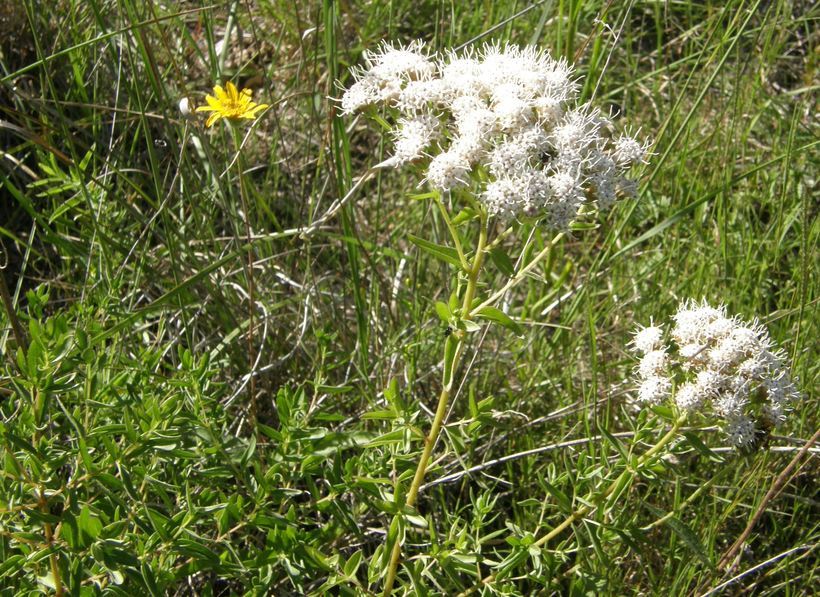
502 119
716 365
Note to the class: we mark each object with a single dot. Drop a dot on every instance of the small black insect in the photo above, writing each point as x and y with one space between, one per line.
447 331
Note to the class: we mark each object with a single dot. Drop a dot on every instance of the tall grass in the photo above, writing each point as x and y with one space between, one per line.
129 465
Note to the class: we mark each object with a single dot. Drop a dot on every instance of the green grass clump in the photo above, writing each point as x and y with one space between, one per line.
150 271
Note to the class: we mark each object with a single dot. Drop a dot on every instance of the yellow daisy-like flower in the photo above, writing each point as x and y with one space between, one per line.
230 103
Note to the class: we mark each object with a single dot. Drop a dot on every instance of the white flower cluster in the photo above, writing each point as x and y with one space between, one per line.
717 364
504 116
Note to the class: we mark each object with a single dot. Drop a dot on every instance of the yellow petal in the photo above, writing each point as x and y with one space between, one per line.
233 94
205 109
213 102
212 119
220 93
254 112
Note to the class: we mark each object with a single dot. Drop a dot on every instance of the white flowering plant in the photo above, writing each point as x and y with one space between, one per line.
713 366
719 367
502 140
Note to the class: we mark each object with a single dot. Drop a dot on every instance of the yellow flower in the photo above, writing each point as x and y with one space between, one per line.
231 104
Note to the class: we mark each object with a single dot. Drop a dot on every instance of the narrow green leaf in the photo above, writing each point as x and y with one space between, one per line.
391 437
422 196
502 261
391 392
465 215
453 302
440 252
622 485
694 441
498 316
614 442
686 534
379 415
563 501
352 564
468 325
443 311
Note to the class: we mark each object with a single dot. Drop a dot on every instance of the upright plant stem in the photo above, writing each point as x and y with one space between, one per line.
42 503
444 398
252 406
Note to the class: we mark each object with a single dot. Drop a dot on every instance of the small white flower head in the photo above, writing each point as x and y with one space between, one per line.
549 109
740 430
476 121
710 382
534 139
472 148
654 390
564 186
362 93
719 328
509 158
462 75
419 95
560 214
604 187
722 367
741 343
504 196
576 132
448 170
689 397
692 319
513 114
538 191
412 137
558 82
501 64
653 363
781 389
391 62
732 403
628 151
648 338
756 367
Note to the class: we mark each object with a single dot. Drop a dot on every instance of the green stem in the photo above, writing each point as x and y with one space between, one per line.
52 558
42 504
472 275
453 234
522 273
444 398
586 509
252 406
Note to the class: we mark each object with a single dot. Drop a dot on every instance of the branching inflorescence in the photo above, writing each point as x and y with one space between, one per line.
719 366
502 122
